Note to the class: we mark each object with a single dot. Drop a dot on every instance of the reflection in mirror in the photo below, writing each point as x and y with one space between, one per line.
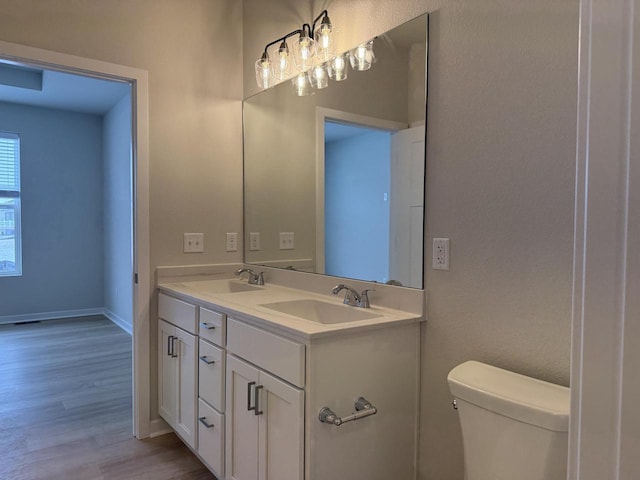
334 182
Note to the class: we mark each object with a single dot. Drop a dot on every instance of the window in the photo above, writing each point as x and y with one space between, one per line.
10 238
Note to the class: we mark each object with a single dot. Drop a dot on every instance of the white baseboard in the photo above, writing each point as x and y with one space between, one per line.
159 427
119 321
36 317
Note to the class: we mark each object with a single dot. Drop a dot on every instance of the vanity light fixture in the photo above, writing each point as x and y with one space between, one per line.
312 58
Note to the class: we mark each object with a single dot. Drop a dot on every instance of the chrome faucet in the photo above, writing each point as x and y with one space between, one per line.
352 297
254 278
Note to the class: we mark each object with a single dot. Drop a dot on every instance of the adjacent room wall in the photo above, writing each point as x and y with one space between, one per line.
500 184
357 185
118 250
190 49
61 193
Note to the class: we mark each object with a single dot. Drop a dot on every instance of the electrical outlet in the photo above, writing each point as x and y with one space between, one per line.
232 242
193 243
254 241
441 254
286 241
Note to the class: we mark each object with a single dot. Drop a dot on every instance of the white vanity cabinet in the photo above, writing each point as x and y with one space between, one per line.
177 380
265 427
245 392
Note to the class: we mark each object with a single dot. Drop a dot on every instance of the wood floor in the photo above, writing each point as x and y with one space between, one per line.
65 407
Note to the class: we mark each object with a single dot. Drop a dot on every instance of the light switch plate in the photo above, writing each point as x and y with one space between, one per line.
193 243
286 241
232 242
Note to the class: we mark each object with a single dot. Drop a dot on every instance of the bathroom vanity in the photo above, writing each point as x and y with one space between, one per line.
244 372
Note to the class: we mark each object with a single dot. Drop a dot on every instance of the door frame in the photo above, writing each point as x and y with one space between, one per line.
138 79
347 118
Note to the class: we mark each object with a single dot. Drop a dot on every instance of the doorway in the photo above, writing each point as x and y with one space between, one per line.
35 58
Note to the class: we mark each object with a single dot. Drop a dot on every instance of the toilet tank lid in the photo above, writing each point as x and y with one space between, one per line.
513 395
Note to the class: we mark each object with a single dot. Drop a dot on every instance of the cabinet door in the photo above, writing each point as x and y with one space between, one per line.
166 372
187 368
241 421
281 430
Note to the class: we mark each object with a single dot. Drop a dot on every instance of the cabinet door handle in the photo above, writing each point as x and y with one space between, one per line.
249 407
256 398
203 420
208 326
173 347
208 362
169 343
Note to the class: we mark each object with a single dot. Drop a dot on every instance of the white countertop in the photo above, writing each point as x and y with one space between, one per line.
247 306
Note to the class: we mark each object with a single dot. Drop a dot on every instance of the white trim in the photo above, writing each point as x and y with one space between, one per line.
322 114
138 79
604 382
37 317
118 321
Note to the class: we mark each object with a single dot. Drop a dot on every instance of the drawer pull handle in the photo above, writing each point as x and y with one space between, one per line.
203 420
249 407
208 362
256 393
208 326
169 352
173 347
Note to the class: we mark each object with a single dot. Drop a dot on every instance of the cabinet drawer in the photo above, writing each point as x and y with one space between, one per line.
211 374
212 326
270 352
177 312
211 437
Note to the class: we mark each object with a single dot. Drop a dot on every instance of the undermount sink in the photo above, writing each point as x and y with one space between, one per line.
321 312
221 286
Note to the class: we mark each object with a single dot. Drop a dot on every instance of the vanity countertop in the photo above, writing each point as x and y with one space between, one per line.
249 306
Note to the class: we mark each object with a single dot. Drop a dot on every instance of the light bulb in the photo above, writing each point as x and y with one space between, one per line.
338 68
362 56
301 84
283 62
305 52
264 73
320 77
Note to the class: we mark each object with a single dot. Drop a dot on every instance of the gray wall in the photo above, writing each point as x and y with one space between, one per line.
118 260
61 196
501 161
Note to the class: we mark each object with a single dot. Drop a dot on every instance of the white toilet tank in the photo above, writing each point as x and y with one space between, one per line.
513 427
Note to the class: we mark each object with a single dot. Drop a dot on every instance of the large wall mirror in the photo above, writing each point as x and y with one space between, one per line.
334 181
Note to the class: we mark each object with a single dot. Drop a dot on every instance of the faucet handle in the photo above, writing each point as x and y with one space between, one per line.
260 279
364 298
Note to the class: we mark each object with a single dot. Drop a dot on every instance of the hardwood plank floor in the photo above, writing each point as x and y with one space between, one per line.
65 407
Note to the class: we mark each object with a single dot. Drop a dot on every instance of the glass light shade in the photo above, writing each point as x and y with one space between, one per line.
305 53
362 57
338 70
319 76
282 65
264 72
302 84
324 35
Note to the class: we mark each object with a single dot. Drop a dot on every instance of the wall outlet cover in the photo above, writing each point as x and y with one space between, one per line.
441 254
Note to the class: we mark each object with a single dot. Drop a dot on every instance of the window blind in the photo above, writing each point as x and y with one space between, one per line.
9 163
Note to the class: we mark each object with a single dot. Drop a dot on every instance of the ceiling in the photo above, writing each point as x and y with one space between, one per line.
63 91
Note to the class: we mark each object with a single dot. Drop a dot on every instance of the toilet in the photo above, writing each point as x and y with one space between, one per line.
513 427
